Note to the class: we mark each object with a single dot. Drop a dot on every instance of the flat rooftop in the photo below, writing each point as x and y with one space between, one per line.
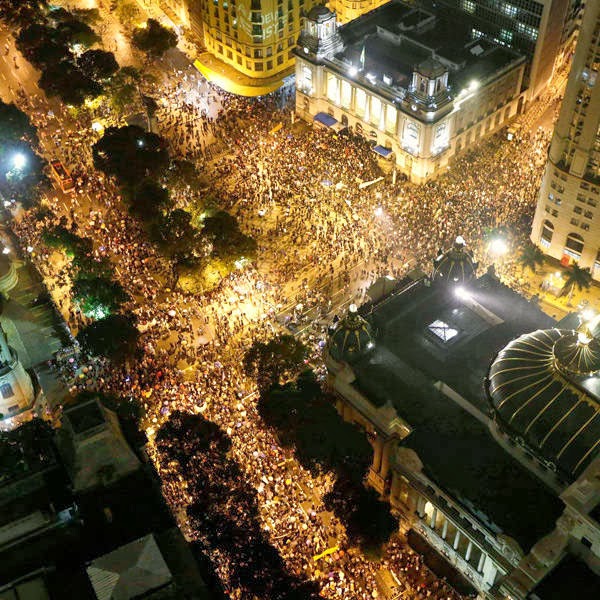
424 335
571 578
397 37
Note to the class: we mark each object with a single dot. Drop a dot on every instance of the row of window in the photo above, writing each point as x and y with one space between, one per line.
253 65
574 243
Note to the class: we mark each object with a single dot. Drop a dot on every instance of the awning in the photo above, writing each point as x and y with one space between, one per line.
325 119
385 152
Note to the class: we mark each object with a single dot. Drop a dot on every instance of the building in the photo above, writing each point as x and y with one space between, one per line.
413 82
17 395
535 28
93 447
255 37
484 419
567 221
347 10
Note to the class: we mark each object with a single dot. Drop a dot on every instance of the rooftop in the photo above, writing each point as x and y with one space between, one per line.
570 578
411 353
395 38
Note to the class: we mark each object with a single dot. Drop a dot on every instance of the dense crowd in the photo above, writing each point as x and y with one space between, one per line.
320 236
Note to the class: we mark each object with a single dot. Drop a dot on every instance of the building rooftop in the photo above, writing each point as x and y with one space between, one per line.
423 336
395 38
572 577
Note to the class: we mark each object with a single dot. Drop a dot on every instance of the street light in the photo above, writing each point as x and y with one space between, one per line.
498 246
19 161
462 293
378 211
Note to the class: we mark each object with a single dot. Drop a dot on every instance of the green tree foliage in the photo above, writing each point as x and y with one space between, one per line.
98 64
15 126
42 45
229 243
178 238
149 201
531 257
130 154
154 38
577 277
98 296
22 12
114 337
64 239
306 420
69 83
274 361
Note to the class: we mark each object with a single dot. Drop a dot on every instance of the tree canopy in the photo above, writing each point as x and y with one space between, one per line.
130 154
98 297
98 64
114 337
229 243
69 83
154 38
278 359
149 200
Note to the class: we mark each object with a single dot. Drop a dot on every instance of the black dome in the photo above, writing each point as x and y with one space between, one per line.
544 389
456 266
352 337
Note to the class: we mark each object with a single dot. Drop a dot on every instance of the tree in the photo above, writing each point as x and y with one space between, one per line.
64 239
75 32
577 278
531 257
14 127
149 201
130 154
98 64
114 337
22 12
277 360
178 238
69 83
229 243
98 297
154 38
41 45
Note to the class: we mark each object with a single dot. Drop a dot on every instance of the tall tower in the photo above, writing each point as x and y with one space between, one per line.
567 218
16 390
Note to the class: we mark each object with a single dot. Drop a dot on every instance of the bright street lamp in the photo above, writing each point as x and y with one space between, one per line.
498 246
19 161
378 211
462 293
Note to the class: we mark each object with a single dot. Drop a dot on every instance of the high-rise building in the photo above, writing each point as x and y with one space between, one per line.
533 27
567 221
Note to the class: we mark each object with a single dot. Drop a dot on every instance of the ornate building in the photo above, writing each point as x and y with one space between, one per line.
567 219
17 395
412 81
496 466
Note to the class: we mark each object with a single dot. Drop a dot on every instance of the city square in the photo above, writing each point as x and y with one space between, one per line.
198 250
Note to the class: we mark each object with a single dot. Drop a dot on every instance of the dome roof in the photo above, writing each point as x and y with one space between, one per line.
545 388
455 266
319 13
351 338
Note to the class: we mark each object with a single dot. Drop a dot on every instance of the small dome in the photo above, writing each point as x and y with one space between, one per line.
543 389
456 266
319 13
351 338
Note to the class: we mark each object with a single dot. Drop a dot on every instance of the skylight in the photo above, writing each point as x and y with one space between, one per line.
442 330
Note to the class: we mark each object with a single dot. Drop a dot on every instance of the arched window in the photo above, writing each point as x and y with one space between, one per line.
574 246
547 233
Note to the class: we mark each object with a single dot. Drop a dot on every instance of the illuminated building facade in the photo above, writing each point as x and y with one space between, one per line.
412 82
532 27
485 429
256 37
567 218
348 10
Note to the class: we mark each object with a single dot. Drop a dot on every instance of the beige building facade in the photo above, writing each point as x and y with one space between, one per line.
419 117
566 225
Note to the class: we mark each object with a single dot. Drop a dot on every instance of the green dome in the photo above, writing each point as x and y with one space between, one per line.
351 338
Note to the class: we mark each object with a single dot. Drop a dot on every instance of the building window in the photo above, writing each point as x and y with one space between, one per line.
577 210
258 66
410 139
509 9
6 390
574 246
547 233
468 6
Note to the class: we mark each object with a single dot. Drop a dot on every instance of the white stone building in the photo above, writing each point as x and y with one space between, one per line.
416 84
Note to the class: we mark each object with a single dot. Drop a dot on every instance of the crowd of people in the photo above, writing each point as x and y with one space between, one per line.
320 236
